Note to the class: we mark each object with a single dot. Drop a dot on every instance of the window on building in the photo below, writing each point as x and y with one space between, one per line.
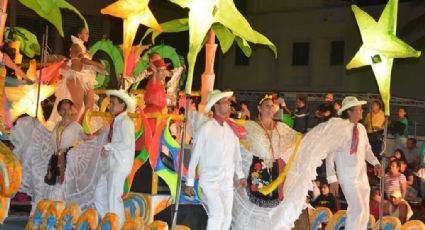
337 53
240 58
300 53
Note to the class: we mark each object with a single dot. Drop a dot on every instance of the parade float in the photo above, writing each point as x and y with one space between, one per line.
207 20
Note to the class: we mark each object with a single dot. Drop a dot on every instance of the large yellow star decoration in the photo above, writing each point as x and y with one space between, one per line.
24 100
380 47
133 13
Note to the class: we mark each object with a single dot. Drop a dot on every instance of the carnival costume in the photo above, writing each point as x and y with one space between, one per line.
86 77
260 159
35 145
216 152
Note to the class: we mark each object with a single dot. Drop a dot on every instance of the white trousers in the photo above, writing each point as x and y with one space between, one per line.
357 196
100 196
115 190
219 203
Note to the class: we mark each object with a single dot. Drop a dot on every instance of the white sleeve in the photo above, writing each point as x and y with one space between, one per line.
330 168
198 148
238 160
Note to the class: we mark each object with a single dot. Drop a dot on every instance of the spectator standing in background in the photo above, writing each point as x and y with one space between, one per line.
374 123
325 110
301 114
400 128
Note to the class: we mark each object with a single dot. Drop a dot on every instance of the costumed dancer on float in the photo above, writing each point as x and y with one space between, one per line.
119 154
342 142
78 77
269 145
350 163
216 151
155 97
61 165
65 135
6 61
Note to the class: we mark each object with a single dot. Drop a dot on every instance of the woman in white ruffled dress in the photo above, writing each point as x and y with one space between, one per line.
269 145
35 145
78 78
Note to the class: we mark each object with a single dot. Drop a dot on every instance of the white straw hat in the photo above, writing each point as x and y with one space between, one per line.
215 96
349 102
123 95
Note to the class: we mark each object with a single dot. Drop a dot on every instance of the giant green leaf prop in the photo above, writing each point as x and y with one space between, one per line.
50 10
203 15
113 51
173 26
29 43
380 47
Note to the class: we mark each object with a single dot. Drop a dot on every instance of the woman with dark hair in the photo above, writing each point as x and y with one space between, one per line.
59 165
399 155
79 77
374 123
270 143
395 180
65 135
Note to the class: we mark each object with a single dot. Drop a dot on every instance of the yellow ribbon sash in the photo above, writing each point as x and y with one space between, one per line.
281 178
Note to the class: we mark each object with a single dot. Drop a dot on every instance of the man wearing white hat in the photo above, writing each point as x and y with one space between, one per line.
119 154
350 159
398 207
216 151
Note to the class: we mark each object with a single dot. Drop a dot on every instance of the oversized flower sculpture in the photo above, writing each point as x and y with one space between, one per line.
133 13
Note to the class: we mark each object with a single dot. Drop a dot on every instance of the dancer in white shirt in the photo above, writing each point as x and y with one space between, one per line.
216 151
350 163
119 154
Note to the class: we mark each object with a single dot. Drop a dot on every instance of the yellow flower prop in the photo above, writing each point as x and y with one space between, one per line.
11 172
133 223
69 216
10 179
380 47
36 218
158 225
89 217
109 221
233 25
54 212
133 13
4 208
24 100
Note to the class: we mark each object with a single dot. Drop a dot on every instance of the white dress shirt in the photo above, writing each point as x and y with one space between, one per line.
122 146
350 168
216 151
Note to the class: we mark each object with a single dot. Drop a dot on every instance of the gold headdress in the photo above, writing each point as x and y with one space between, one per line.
266 97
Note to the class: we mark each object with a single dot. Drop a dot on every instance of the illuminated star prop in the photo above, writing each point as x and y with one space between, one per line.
380 47
203 14
133 13
24 100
